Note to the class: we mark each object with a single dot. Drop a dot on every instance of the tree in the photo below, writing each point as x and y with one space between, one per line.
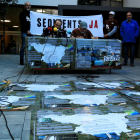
4 7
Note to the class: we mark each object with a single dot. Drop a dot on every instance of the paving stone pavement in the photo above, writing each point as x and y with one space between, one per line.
21 121
9 66
18 123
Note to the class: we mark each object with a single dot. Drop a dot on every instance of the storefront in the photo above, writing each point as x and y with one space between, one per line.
10 35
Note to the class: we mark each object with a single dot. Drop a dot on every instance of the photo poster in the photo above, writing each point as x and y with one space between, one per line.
51 53
88 54
98 53
40 21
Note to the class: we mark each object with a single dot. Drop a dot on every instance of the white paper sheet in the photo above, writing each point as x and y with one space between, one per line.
84 99
37 87
10 99
135 93
102 85
95 124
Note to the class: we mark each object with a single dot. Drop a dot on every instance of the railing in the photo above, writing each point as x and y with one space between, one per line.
117 3
11 32
87 2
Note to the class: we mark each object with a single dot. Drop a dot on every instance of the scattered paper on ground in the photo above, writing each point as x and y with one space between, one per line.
5 100
95 124
37 87
102 85
84 99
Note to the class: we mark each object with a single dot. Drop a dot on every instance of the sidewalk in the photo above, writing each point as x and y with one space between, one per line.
9 66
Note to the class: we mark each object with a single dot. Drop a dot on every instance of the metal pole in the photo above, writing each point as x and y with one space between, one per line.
3 50
34 130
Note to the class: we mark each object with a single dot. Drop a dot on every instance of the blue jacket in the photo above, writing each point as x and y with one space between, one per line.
129 31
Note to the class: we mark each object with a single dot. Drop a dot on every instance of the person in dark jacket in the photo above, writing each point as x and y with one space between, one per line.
25 28
56 27
129 31
55 31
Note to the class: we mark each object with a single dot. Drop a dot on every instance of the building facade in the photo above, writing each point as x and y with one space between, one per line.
10 36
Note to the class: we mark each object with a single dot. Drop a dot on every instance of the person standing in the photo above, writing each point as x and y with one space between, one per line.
129 31
25 28
110 26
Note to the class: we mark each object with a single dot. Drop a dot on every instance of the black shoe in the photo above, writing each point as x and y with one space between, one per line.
132 64
124 64
21 62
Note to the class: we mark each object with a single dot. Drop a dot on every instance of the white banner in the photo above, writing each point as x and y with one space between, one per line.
40 21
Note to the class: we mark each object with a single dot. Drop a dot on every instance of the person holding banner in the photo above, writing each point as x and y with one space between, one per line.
82 32
110 26
25 28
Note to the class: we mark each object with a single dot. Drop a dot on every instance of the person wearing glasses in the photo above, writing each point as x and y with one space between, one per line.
25 28
55 31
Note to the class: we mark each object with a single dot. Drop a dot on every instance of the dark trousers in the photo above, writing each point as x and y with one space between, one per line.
23 46
132 52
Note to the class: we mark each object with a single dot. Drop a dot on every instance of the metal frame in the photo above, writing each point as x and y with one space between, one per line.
76 54
61 8
98 2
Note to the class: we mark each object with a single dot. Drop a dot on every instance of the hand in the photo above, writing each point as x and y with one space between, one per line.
72 36
106 35
80 37
94 37
28 32
51 36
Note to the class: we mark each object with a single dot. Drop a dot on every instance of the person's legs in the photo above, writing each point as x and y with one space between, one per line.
125 45
132 51
22 49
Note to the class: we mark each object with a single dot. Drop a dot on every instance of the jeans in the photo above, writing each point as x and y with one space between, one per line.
23 34
132 52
